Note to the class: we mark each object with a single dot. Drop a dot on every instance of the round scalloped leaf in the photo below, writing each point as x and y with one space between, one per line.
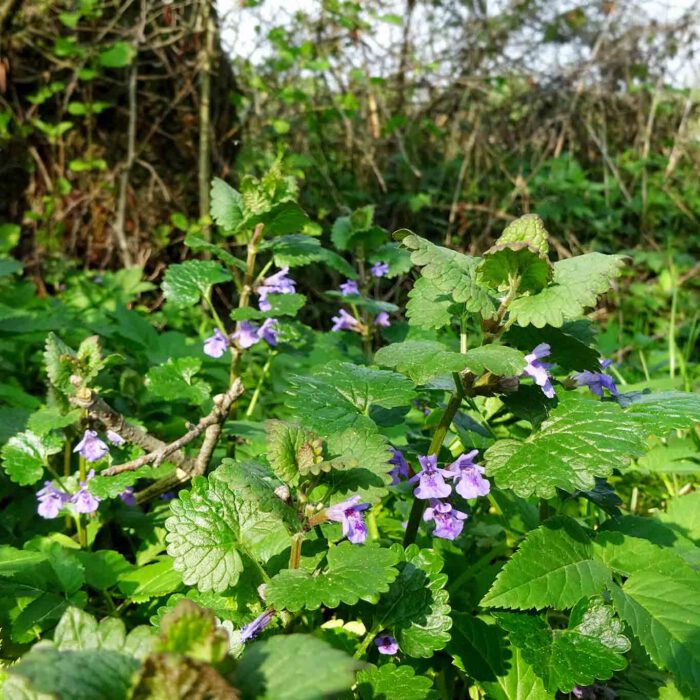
515 263
529 229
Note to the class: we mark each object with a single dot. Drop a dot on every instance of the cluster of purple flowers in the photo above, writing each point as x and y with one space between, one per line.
597 382
466 476
51 500
247 334
279 283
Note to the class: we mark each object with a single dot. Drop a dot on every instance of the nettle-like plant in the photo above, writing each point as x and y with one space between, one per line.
434 517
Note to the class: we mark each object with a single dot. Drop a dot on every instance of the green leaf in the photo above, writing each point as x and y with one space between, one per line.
660 413
80 675
298 249
291 450
352 573
294 667
339 395
576 284
663 609
175 380
145 582
451 272
553 567
282 219
186 283
25 455
47 419
683 515
427 306
529 229
580 440
561 658
391 682
497 359
89 358
9 266
594 618
282 305
103 567
209 525
516 264
196 242
194 632
421 360
119 55
226 205
482 651
398 259
60 363
416 607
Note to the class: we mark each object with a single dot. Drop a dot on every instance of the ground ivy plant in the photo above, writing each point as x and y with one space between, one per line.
262 487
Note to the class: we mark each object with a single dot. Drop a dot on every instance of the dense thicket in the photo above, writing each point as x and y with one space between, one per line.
452 117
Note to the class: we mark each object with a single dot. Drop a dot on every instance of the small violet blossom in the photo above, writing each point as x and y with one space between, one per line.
167 496
400 467
468 479
83 500
448 521
248 334
349 514
597 382
348 288
127 496
269 332
115 438
379 269
381 320
91 447
344 322
278 283
538 370
254 628
386 644
431 479
51 500
217 344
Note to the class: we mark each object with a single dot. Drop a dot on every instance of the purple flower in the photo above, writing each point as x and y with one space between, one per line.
51 500
115 438
246 334
382 320
254 628
127 496
379 269
83 500
386 644
538 370
349 513
217 344
348 288
431 477
278 283
167 496
448 521
91 447
268 331
468 480
597 382
400 467
344 322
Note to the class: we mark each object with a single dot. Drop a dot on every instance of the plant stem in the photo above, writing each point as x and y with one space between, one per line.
258 388
443 426
364 644
295 552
